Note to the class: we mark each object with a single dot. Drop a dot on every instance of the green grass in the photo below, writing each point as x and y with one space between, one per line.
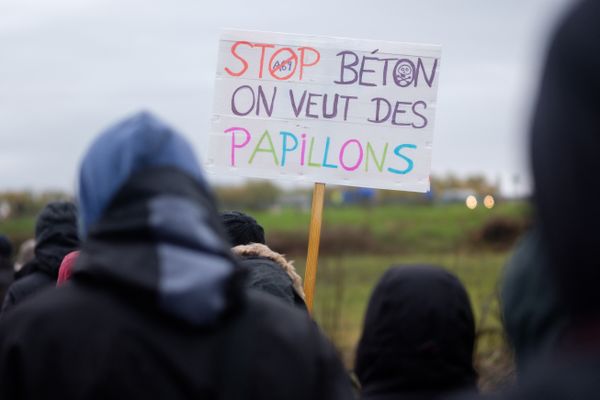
290 219
18 229
410 228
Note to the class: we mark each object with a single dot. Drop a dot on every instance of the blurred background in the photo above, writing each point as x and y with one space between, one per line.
69 68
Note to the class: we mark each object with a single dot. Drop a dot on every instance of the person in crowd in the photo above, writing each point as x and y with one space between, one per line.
66 267
418 337
268 270
564 142
26 253
156 305
55 236
242 229
6 270
534 317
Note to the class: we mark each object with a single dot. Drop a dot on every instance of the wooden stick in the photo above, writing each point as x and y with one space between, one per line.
314 237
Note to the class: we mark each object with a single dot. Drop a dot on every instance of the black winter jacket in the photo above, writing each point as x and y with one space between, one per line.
125 326
98 344
270 272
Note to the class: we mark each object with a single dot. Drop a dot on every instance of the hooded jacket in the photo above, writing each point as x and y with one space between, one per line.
271 273
564 150
268 271
156 305
564 154
55 236
418 336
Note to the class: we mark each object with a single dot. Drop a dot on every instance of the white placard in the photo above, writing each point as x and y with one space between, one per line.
322 109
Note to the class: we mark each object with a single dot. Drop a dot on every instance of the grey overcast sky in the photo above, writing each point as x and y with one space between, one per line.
69 68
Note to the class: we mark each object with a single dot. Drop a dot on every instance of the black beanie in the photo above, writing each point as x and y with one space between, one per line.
242 229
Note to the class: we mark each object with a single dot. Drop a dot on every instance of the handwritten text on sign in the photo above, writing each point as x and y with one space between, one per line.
350 112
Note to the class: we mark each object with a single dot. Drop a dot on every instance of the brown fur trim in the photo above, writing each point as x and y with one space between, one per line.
260 250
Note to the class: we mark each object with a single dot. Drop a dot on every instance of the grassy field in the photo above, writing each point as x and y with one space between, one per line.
18 229
438 234
406 228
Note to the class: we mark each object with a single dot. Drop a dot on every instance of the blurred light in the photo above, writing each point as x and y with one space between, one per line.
471 202
489 201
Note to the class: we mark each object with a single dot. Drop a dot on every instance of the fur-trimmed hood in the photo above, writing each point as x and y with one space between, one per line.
259 259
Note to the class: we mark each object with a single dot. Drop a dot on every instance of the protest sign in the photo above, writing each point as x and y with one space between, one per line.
324 110
319 109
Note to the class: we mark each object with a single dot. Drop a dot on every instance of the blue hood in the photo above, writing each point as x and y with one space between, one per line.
151 223
132 145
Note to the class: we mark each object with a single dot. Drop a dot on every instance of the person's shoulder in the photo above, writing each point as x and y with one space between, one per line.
263 270
50 308
288 347
553 377
271 272
568 376
33 282
266 308
281 322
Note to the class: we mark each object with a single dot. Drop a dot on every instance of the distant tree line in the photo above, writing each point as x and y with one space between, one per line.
264 195
28 203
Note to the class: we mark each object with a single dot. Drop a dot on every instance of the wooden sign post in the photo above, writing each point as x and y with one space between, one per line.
314 238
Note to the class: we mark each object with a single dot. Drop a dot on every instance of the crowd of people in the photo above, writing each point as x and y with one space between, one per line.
144 290
164 297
